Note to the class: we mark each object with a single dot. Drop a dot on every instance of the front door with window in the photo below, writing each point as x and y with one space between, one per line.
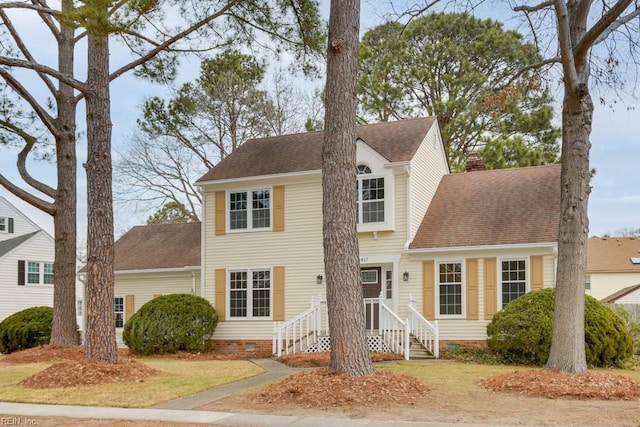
371 287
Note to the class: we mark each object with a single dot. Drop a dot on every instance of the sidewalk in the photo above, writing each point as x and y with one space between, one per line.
181 410
274 371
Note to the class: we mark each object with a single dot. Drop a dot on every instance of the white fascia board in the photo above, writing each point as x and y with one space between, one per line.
259 177
151 270
552 247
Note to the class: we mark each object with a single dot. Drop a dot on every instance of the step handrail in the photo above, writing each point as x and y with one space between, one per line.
425 332
394 330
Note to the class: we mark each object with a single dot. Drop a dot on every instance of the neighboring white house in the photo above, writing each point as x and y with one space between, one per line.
26 262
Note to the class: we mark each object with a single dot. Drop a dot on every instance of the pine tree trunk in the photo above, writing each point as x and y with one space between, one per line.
568 346
64 331
100 342
349 350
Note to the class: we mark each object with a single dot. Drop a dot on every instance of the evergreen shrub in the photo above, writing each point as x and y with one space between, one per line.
523 330
171 323
25 329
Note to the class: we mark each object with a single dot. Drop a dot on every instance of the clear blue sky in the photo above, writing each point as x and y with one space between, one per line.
614 201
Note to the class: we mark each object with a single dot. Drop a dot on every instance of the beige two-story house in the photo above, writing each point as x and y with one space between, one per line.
440 253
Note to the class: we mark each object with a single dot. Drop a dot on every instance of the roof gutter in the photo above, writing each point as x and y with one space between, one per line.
428 251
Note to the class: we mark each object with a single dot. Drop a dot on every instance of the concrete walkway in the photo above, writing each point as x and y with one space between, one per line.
274 371
181 410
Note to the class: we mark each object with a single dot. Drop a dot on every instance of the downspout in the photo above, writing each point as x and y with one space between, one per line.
202 245
408 212
193 282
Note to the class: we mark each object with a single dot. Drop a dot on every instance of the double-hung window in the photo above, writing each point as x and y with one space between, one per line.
450 288
40 273
3 225
118 308
370 196
250 294
249 210
514 280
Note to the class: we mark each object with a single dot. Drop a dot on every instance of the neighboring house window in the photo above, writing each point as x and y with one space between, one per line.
587 282
118 308
450 288
250 210
250 294
6 225
514 280
40 273
79 308
370 196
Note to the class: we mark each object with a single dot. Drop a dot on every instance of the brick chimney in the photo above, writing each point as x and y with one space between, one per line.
474 163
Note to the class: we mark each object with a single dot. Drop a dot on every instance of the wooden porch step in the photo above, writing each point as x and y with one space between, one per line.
417 351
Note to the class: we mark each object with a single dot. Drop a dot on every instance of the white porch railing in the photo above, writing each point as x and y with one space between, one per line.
423 330
305 330
301 332
393 330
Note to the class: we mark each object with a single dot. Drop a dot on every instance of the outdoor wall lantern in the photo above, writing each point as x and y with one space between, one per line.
405 276
319 279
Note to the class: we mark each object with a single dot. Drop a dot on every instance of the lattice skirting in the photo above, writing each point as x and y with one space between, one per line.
374 341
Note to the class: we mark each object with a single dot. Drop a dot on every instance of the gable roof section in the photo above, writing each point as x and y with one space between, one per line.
396 141
612 254
620 294
496 207
8 245
158 247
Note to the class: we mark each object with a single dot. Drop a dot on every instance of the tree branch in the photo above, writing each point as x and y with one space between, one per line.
46 18
21 163
566 52
34 201
617 24
164 45
38 8
11 62
25 51
589 39
534 8
46 119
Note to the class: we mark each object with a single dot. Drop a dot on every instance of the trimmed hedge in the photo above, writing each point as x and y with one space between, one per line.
25 329
523 329
171 323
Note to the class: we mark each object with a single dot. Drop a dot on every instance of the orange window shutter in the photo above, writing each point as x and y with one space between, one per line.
220 302
472 289
278 293
490 288
278 208
537 274
220 219
129 306
428 290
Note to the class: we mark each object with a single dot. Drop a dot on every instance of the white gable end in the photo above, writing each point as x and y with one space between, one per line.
13 223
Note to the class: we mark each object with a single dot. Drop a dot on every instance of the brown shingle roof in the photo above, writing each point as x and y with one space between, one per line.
158 246
496 207
396 141
612 254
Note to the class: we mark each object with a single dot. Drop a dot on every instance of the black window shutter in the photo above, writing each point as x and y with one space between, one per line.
20 273
10 225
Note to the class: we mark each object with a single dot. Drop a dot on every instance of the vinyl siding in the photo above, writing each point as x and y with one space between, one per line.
427 168
38 248
144 286
465 329
631 298
298 248
21 224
